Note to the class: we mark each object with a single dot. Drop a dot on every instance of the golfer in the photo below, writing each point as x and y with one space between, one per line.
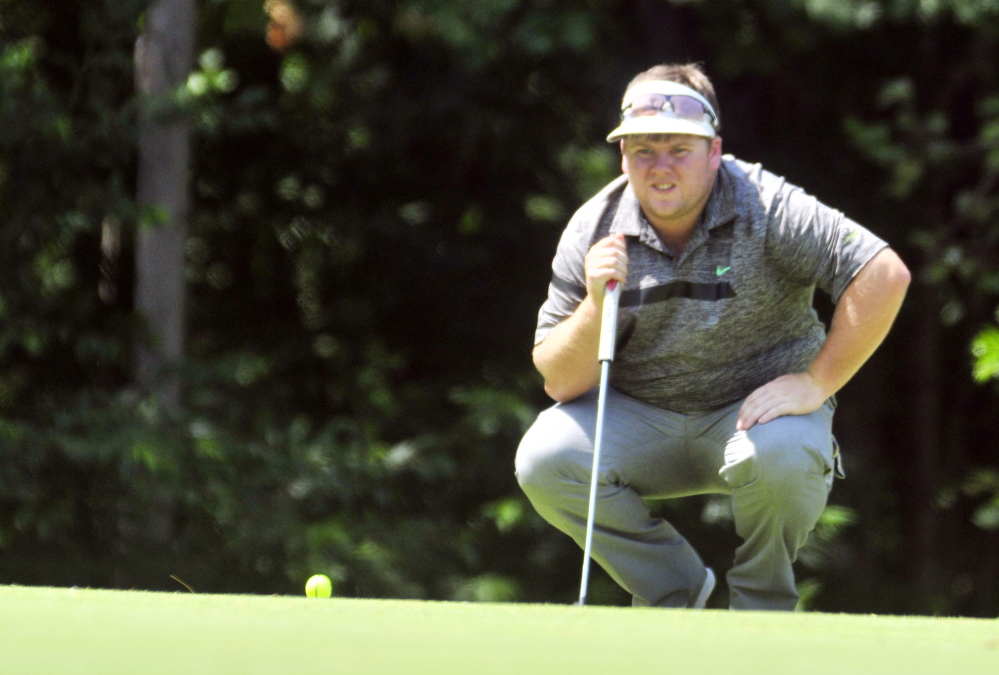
724 377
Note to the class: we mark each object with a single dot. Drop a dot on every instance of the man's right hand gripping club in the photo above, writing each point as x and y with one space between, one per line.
567 357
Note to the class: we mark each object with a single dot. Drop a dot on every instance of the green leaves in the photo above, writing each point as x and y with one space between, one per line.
985 349
984 483
375 208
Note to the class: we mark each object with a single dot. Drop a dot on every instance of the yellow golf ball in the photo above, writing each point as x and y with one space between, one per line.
319 586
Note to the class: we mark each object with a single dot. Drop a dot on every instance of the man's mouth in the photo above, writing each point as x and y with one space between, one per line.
663 187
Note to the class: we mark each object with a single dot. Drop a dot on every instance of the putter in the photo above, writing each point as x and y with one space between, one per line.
605 354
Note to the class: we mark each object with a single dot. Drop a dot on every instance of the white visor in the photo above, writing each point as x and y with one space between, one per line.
665 121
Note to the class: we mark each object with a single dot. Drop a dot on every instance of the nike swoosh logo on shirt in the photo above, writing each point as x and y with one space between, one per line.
721 270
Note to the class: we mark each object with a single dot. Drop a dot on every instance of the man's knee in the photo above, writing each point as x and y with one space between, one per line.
548 454
780 479
785 456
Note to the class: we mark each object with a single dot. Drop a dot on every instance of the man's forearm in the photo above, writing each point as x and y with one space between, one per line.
863 316
567 357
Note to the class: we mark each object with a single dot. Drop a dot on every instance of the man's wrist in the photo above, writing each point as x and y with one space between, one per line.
822 383
589 308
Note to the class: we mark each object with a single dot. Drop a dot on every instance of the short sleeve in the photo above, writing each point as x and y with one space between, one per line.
815 244
568 284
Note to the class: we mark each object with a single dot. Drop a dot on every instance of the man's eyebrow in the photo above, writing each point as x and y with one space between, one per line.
673 142
675 145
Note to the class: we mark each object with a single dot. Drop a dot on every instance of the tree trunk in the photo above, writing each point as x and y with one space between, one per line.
163 58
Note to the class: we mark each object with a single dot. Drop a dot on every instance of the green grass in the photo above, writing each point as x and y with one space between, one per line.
49 630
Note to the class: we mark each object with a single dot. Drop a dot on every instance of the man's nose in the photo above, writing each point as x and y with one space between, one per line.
663 161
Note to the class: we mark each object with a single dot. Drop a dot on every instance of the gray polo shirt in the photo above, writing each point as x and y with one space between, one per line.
732 312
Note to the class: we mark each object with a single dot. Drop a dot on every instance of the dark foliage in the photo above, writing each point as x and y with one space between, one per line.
375 211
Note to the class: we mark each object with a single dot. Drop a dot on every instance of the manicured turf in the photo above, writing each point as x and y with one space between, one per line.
48 630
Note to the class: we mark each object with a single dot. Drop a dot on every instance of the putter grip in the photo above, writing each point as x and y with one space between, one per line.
608 322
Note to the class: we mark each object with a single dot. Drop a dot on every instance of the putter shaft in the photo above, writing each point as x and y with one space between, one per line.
605 354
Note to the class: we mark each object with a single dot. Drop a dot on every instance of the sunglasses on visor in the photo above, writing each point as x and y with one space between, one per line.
684 107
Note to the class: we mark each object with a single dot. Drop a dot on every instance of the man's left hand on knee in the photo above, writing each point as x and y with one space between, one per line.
795 394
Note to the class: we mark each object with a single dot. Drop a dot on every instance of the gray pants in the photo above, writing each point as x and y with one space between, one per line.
779 475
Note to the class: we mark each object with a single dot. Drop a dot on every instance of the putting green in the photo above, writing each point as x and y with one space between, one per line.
49 630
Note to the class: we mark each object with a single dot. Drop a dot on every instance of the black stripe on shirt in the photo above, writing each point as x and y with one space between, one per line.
639 297
677 289
568 287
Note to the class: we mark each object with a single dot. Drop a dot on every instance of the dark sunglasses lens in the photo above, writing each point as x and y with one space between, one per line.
684 107
643 106
687 107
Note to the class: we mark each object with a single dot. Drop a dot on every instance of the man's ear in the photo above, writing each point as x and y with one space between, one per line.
716 152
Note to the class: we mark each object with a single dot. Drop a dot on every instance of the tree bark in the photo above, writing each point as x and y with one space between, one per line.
163 58
164 54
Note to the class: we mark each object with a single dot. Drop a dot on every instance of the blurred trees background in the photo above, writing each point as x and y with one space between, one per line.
375 191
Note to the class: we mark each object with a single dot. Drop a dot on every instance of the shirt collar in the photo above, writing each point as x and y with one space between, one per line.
720 208
629 220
